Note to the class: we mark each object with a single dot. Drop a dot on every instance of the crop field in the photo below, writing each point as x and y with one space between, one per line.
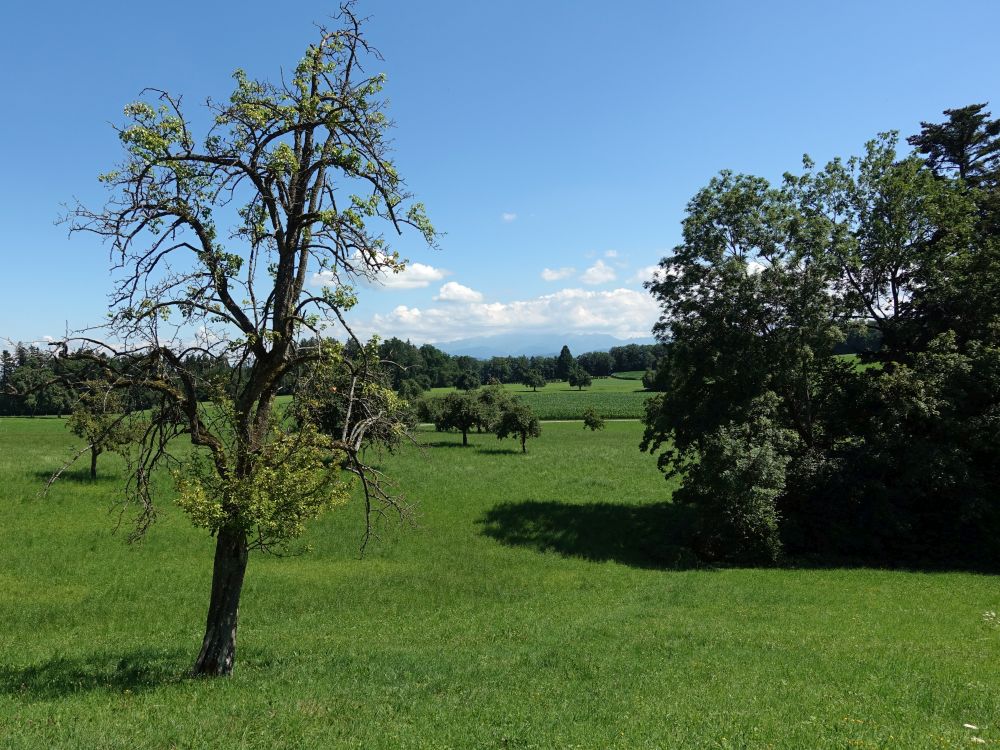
613 398
544 600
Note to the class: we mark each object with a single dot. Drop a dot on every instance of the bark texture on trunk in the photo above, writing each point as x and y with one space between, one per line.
218 650
93 464
465 437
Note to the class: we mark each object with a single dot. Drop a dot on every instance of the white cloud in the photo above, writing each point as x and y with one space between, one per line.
611 254
625 313
413 276
455 292
646 273
508 216
599 273
554 274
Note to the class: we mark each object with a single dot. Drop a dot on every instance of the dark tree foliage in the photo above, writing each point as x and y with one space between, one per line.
469 380
493 400
579 378
782 445
633 357
458 411
533 379
592 419
966 145
564 363
517 420
598 364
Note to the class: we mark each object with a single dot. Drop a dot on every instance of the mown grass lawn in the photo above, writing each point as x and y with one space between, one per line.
613 398
544 601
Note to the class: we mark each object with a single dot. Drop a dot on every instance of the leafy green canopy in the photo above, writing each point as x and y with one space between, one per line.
779 442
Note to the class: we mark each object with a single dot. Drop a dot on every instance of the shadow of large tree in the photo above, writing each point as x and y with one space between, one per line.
644 536
61 676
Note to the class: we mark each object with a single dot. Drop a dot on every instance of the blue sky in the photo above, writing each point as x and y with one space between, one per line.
556 143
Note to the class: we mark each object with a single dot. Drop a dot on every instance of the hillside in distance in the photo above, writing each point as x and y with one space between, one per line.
534 344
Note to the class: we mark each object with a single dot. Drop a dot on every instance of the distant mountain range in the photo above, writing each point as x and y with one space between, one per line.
534 344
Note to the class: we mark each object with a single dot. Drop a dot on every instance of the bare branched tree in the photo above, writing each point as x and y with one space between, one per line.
218 245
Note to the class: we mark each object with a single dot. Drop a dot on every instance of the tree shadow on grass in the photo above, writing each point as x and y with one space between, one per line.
500 451
643 536
60 676
79 476
444 444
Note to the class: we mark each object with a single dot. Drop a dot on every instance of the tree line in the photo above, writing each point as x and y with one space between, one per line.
32 381
780 445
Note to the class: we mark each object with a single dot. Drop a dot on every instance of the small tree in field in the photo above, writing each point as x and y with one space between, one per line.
579 378
99 418
592 420
517 420
459 411
243 246
533 379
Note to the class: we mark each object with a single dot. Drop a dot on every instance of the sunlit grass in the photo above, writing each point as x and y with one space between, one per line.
542 601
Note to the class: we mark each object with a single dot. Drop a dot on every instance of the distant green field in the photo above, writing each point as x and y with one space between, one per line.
629 375
856 361
543 601
613 398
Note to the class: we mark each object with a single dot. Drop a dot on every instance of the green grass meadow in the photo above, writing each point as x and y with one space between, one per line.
617 397
543 600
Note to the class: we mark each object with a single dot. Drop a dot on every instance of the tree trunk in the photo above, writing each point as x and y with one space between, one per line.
218 650
465 437
524 439
93 462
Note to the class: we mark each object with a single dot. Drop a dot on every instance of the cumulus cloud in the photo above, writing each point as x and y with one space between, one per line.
508 216
554 274
625 313
599 273
646 273
611 254
413 276
455 292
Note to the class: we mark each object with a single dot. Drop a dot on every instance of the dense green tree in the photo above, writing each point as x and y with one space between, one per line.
440 366
492 401
564 363
518 420
967 144
592 419
458 411
468 381
545 365
651 381
305 170
777 440
632 357
498 368
533 379
579 378
412 389
598 364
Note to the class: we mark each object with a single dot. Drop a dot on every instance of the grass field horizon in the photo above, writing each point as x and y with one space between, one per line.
543 600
